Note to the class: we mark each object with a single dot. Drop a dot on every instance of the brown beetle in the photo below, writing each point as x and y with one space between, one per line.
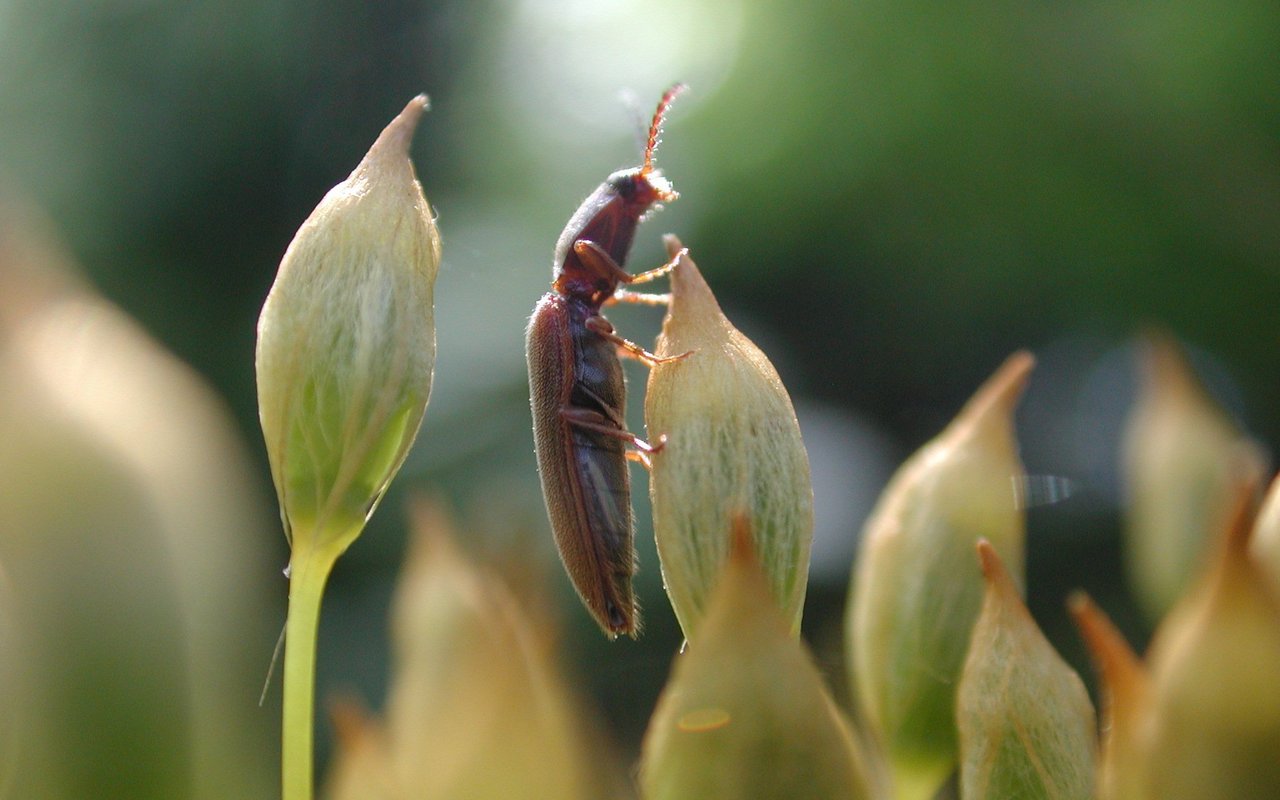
577 391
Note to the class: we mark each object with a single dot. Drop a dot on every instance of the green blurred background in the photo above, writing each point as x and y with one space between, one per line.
888 197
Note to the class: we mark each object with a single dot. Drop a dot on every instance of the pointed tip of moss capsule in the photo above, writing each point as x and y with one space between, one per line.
993 569
1123 676
997 398
395 139
1124 695
687 283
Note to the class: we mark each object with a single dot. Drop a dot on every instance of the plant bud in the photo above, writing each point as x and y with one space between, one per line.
913 603
1125 696
1265 544
346 344
130 553
732 443
476 706
1215 718
1180 455
1024 717
745 713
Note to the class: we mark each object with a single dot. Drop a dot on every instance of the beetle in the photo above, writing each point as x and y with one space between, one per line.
577 391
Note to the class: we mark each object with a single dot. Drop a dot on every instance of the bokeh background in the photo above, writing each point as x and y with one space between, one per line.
889 197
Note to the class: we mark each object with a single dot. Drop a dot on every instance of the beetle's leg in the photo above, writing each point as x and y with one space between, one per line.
639 298
602 326
592 420
598 259
658 272
645 457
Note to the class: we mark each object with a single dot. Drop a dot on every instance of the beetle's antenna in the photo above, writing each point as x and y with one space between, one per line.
655 127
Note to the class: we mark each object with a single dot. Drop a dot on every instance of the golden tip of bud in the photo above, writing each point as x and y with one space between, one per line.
1244 503
741 545
1004 388
350 720
1164 364
688 287
1112 656
993 568
396 137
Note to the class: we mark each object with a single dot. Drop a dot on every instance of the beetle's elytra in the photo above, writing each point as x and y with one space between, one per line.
577 391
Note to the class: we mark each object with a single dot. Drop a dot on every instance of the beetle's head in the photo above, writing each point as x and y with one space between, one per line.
636 187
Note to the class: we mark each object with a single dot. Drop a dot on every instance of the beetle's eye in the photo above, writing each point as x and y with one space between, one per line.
625 185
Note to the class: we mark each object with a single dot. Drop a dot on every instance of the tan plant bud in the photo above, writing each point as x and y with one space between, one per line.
745 713
732 443
1180 456
346 344
1215 662
1125 699
1024 717
131 550
477 707
913 601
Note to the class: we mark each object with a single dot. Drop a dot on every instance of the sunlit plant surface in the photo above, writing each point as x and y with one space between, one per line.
126 602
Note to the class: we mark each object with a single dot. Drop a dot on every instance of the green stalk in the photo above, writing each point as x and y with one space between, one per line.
309 570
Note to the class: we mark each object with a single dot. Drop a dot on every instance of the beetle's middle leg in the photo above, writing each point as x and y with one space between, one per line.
626 347
591 420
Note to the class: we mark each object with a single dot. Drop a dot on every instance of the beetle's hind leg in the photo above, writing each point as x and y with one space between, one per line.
591 420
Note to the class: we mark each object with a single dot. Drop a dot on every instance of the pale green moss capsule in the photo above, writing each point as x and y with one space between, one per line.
745 713
732 443
346 344
1025 721
1181 454
1215 709
476 707
914 598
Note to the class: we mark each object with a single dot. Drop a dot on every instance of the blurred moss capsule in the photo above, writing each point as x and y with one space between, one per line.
476 707
130 544
1025 721
732 442
914 601
745 714
1181 452
1215 680
346 343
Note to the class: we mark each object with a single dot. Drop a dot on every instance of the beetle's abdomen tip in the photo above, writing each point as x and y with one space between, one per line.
619 621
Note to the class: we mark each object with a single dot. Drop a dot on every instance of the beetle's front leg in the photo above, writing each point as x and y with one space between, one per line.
599 261
639 298
591 420
602 327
